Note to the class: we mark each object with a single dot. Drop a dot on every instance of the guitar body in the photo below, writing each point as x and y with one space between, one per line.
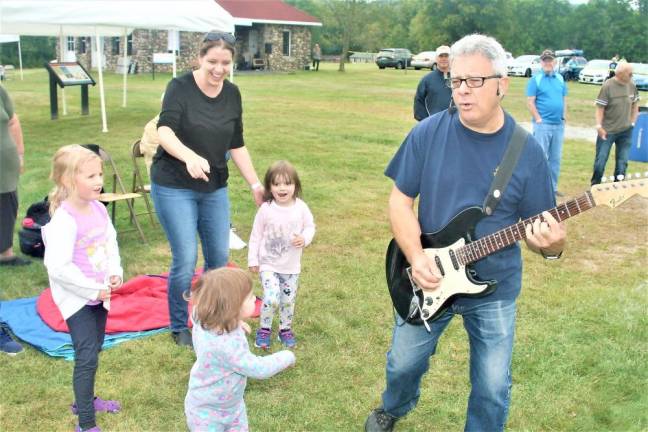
414 304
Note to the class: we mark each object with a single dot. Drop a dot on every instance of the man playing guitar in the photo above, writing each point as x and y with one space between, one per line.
448 161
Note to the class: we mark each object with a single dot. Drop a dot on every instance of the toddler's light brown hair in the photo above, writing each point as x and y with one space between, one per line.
218 297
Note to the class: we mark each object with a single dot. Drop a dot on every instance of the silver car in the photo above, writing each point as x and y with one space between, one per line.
425 59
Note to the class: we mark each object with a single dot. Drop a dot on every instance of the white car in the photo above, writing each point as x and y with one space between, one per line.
595 72
425 59
525 65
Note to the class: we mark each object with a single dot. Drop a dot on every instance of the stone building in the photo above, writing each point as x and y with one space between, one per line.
270 34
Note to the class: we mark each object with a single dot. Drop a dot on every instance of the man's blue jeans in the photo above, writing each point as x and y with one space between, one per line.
182 213
623 141
490 327
550 137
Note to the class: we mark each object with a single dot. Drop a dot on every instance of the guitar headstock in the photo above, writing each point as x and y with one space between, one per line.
612 194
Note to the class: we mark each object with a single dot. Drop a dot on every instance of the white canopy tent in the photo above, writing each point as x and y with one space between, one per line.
100 18
5 38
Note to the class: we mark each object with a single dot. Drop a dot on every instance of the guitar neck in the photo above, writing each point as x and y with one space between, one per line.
505 237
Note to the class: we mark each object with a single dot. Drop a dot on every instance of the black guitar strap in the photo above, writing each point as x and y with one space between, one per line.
505 169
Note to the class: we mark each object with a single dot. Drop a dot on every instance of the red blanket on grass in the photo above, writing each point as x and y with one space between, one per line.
140 304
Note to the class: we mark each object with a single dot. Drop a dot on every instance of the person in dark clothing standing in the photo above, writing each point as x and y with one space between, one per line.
433 94
201 120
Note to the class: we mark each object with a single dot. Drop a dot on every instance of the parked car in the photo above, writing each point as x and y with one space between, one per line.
595 72
525 65
425 59
640 75
398 58
570 66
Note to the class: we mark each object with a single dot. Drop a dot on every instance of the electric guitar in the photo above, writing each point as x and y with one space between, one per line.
454 250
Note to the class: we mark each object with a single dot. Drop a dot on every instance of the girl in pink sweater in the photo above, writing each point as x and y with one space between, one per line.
282 228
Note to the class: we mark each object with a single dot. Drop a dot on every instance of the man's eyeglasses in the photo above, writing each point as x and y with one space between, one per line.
216 36
472 82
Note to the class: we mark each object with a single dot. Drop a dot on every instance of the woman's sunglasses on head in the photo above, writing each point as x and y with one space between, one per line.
216 36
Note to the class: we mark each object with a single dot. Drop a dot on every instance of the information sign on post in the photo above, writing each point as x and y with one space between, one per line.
66 74
162 58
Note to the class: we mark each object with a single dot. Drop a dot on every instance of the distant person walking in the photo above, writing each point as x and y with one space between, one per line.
317 56
546 99
433 93
617 107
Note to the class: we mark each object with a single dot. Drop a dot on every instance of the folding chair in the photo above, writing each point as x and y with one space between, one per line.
139 185
122 195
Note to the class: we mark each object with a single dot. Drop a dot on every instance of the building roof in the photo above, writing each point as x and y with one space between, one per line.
246 12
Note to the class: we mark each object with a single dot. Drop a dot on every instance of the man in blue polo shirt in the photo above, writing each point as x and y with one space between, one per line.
546 99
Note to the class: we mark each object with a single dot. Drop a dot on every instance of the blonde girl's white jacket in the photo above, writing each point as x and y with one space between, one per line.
71 289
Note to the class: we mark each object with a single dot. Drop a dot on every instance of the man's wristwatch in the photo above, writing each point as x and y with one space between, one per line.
550 256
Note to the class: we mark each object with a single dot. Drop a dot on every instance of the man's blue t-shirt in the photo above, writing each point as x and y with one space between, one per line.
549 91
450 168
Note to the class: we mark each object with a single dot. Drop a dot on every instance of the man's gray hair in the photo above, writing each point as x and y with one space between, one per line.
482 45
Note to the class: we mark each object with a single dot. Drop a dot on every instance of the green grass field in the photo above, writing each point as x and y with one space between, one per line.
580 360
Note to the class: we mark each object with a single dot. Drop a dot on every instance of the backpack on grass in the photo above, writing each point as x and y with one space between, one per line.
29 236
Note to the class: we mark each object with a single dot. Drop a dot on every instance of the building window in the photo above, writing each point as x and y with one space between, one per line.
129 44
286 43
82 45
70 43
115 46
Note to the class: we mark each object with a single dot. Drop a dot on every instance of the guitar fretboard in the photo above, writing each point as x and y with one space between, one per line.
485 246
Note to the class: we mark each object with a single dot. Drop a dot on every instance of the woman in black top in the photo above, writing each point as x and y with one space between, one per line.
201 120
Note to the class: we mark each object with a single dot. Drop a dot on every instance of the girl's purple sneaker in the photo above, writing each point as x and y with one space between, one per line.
262 339
94 429
100 405
287 338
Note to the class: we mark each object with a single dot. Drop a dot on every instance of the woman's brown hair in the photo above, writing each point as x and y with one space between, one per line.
218 297
281 170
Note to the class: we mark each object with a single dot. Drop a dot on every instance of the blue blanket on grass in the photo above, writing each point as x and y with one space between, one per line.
23 320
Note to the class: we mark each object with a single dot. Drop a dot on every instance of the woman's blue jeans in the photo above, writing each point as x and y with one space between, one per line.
490 327
182 214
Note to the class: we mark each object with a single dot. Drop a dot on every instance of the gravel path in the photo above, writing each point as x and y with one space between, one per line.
571 132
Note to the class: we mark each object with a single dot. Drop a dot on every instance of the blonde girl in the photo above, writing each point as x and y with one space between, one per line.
83 265
222 299
282 228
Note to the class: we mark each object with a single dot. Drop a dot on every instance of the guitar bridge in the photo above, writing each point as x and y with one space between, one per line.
415 305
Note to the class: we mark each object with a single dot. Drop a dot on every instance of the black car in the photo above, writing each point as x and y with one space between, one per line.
398 58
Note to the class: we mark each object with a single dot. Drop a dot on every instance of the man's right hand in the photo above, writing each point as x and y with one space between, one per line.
602 133
425 272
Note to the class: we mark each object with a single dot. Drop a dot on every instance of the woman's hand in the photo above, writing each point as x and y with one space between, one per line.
254 269
197 167
257 193
103 295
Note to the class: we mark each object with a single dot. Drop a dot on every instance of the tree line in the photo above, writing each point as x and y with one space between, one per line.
602 28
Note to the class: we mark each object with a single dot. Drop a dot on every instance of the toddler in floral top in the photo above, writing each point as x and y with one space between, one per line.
221 299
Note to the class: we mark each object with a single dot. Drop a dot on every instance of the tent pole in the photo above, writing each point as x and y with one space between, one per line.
20 60
125 67
101 84
61 59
